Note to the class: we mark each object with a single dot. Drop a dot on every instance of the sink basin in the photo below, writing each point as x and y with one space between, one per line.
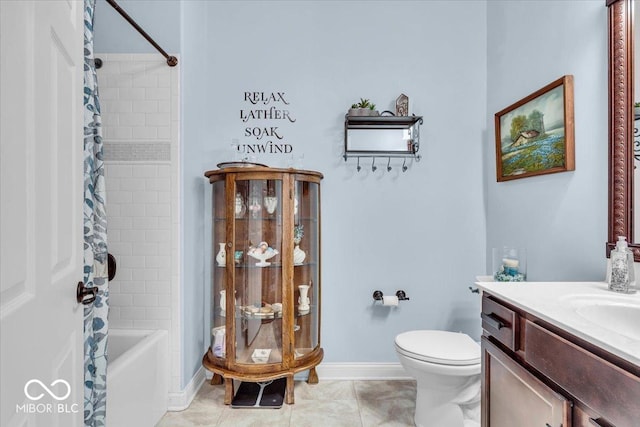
615 314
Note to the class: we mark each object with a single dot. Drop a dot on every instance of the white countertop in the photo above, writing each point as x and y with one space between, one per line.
562 304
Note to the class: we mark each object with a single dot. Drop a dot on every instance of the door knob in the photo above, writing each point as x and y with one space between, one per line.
82 291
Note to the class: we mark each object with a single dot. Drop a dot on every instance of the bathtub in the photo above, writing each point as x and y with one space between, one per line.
137 377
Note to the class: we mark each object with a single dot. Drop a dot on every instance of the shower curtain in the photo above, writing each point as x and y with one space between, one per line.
95 240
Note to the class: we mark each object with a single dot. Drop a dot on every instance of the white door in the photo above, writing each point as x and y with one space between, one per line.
41 82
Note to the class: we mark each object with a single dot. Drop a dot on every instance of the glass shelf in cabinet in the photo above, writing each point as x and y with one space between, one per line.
305 264
249 265
276 218
246 313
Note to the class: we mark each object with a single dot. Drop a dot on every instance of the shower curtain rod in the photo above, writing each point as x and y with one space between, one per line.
172 61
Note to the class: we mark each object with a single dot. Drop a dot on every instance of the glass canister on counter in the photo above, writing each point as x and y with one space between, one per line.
621 273
509 264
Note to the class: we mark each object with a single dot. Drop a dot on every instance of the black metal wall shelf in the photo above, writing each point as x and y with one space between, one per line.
362 139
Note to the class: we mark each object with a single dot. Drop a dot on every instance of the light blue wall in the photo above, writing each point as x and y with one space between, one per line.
422 231
159 18
561 218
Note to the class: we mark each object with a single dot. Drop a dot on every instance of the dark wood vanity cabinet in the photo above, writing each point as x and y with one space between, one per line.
516 397
535 374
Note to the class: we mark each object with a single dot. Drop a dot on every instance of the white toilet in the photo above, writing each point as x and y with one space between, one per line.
446 366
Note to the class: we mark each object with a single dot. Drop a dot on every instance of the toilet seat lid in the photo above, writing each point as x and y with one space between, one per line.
442 347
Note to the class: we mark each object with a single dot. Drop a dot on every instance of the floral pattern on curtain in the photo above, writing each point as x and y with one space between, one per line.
95 240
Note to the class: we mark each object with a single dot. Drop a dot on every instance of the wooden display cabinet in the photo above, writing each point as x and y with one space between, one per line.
265 258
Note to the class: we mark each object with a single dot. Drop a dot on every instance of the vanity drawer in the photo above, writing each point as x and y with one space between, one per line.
500 322
610 390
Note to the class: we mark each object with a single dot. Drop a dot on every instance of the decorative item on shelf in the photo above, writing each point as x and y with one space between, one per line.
260 355
509 264
296 217
223 302
636 110
402 105
298 254
298 233
219 335
241 208
270 204
262 252
363 108
255 206
303 300
245 163
237 256
221 257
276 307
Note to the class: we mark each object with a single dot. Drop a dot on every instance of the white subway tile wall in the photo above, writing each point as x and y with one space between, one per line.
139 97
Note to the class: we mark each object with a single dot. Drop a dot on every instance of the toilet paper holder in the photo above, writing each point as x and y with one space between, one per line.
402 296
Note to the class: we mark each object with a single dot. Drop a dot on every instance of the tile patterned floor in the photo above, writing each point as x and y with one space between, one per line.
328 403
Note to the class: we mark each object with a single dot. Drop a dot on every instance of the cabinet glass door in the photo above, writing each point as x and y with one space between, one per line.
258 271
306 261
219 271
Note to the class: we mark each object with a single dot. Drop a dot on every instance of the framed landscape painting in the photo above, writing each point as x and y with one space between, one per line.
535 136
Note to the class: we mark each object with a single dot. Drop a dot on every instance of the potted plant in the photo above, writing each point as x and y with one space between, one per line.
363 108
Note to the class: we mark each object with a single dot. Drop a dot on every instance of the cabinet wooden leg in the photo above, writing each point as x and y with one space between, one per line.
313 376
228 391
289 391
216 379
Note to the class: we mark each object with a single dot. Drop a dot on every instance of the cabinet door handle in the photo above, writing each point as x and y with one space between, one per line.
493 320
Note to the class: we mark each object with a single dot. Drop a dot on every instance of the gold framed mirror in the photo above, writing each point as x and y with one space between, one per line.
621 124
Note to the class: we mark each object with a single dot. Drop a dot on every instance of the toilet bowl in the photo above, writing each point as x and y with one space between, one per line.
446 366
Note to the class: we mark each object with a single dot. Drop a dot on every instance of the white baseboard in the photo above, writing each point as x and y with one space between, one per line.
179 401
361 371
